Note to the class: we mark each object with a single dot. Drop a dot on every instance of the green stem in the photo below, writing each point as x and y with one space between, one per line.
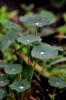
33 71
52 96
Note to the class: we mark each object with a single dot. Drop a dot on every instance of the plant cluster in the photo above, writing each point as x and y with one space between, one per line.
17 48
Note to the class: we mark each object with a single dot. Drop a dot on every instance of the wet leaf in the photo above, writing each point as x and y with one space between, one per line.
39 20
7 40
13 69
3 81
2 94
20 85
57 82
28 39
44 51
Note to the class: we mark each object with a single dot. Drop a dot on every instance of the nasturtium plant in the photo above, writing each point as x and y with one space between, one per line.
57 82
3 81
39 20
2 94
7 40
25 49
44 51
28 39
13 69
20 85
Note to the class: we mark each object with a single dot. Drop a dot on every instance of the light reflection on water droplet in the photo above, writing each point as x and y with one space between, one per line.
42 53
28 40
37 23
21 87
13 69
9 42
57 83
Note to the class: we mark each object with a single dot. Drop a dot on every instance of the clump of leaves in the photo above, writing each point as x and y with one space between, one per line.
12 44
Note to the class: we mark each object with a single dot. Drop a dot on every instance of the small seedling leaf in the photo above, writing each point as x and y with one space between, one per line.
44 51
39 20
13 69
28 39
20 85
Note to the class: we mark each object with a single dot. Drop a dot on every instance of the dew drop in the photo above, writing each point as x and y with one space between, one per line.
9 42
21 87
28 40
42 53
37 23
13 69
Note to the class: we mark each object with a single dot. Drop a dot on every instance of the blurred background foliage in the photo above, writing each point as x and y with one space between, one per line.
56 5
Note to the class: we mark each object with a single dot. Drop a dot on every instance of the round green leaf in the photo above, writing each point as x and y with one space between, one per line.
2 94
57 82
3 81
36 21
28 39
13 69
39 20
20 85
44 51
